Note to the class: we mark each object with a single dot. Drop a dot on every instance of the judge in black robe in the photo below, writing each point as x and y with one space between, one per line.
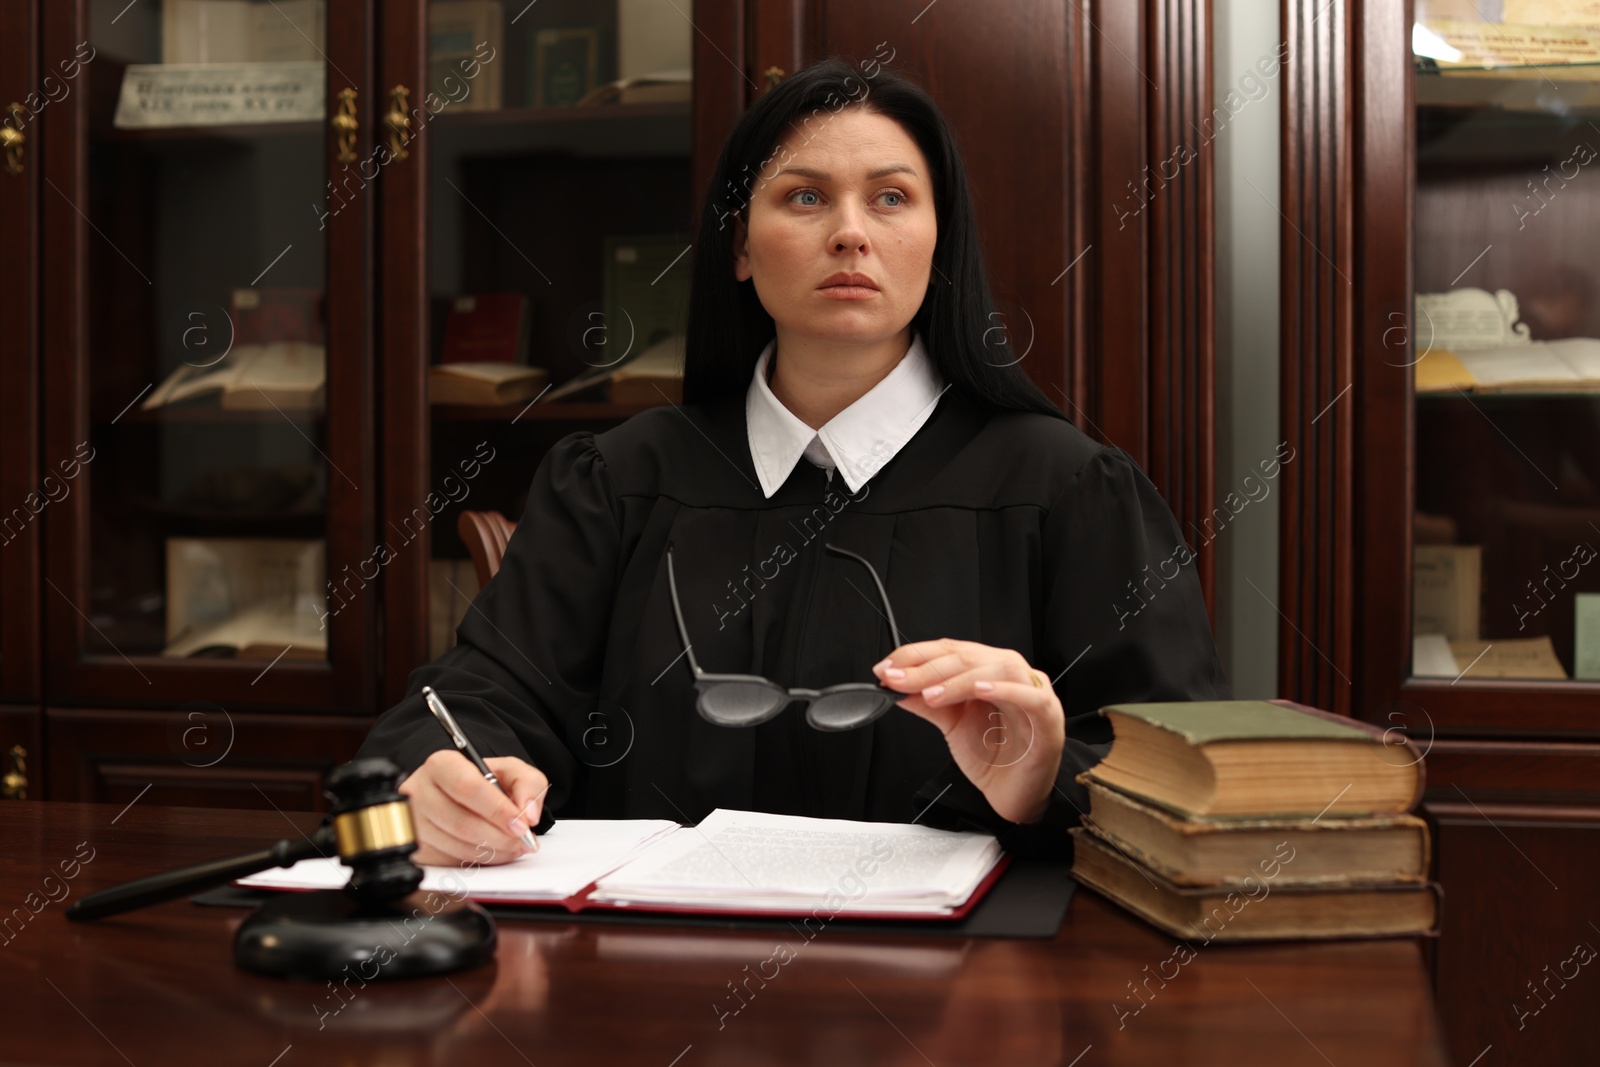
1008 528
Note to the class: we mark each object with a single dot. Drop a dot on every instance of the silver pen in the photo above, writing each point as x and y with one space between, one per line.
451 727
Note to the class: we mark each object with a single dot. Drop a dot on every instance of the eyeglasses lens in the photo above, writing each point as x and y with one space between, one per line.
841 711
741 703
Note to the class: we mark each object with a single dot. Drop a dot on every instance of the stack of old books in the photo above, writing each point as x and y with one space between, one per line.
1247 819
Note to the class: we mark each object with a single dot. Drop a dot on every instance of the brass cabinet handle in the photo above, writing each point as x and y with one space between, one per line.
345 125
12 140
14 786
398 122
774 75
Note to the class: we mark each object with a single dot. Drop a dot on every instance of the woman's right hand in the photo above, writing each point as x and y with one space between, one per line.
460 818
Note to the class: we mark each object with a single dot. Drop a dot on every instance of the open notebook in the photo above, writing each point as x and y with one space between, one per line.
733 862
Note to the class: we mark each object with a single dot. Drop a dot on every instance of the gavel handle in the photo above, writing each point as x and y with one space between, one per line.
185 880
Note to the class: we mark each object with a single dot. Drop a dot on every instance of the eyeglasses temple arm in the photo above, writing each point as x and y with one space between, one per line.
883 594
677 611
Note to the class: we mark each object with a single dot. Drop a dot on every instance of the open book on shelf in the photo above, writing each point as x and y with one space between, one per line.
643 377
1469 339
252 377
661 87
1567 365
260 631
250 597
733 862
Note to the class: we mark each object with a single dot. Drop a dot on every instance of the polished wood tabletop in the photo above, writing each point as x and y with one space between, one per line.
158 986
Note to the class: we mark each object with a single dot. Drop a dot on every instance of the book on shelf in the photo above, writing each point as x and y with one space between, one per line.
1528 658
242 31
1257 758
1431 657
1511 12
1586 636
487 328
663 87
645 288
466 53
568 47
452 583
1546 12
1568 364
1469 317
1328 851
733 862
661 364
1462 41
653 39
263 315
283 375
260 631
566 64
167 95
1261 907
484 383
250 596
1447 590
1469 339
655 377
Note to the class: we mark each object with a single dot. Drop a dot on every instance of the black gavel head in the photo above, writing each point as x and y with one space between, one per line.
373 829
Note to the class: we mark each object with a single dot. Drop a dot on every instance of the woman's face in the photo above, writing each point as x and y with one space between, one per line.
851 194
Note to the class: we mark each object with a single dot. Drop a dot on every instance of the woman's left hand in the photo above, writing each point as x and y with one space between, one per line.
1000 717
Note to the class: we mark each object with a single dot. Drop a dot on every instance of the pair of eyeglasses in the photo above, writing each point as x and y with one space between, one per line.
749 699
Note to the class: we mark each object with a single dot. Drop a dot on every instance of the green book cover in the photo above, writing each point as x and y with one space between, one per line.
1201 722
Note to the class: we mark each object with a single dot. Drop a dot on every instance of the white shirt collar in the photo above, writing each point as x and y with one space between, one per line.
859 440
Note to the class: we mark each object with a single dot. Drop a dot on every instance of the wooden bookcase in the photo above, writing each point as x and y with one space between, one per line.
1376 213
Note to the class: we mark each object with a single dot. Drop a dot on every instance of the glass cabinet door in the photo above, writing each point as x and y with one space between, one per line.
209 389
554 146
1506 565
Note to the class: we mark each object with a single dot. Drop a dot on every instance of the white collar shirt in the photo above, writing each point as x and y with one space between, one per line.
859 440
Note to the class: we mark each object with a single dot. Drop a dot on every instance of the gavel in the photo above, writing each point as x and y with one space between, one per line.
321 933
369 824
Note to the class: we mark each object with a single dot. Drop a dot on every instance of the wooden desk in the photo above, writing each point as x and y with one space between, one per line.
157 988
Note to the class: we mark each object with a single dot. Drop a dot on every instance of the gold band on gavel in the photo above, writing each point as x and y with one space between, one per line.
378 827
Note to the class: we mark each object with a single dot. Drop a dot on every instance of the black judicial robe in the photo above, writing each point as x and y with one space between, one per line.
1009 528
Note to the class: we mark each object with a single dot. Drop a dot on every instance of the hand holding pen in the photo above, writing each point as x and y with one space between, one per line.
474 810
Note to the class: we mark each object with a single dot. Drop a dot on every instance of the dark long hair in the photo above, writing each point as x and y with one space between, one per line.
728 327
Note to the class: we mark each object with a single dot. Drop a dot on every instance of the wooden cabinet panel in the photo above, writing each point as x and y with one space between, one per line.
1519 899
197 755
23 495
1517 850
1510 772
